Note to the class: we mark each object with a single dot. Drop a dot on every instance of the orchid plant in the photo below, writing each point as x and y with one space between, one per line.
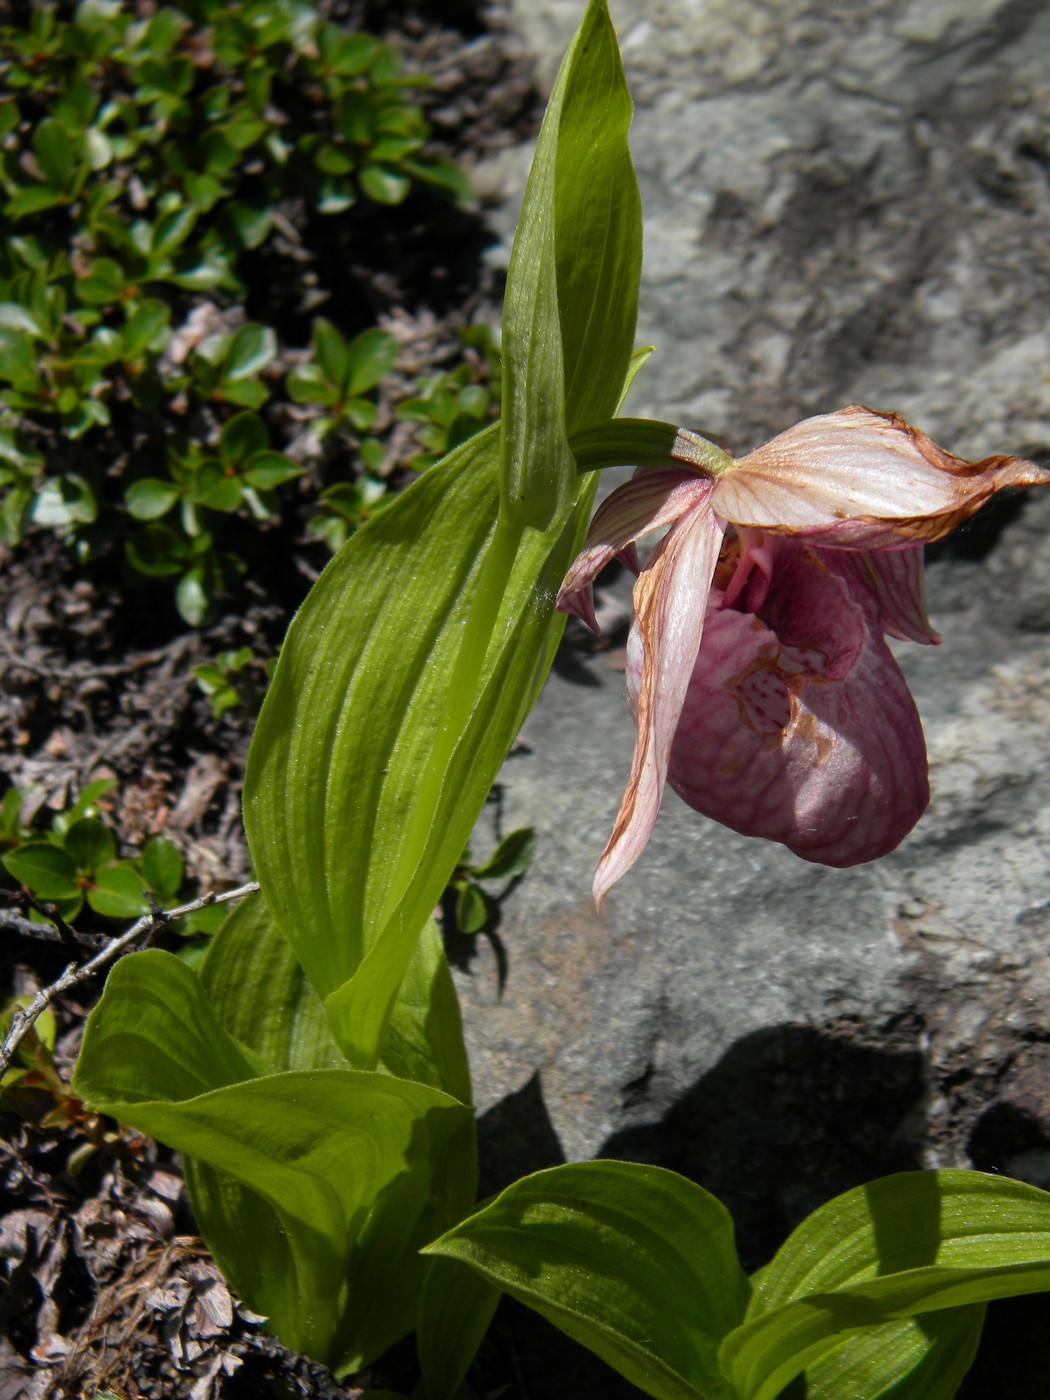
313 1072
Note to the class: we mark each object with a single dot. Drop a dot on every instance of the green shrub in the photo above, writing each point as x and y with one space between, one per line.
141 156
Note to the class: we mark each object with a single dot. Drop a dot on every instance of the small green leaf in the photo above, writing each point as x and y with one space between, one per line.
193 597
65 500
90 843
267 470
87 804
144 326
171 230
15 317
344 54
150 498
511 857
45 869
333 160
216 489
247 393
103 283
252 349
32 199
383 185
8 117
332 353
334 197
472 907
307 384
54 149
17 452
243 131
361 413
117 893
252 226
371 356
161 866
243 435
157 551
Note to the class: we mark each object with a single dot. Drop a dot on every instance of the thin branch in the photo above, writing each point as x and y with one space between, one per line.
17 923
23 1019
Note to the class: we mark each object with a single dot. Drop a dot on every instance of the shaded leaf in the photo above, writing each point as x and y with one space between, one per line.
454 1313
45 869
161 866
90 843
896 1248
117 892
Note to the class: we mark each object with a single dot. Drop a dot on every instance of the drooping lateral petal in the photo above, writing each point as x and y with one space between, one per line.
670 600
861 479
897 581
653 498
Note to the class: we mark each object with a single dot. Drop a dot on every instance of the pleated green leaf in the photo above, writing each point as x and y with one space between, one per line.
258 991
900 1247
635 1262
343 1174
260 995
455 1310
572 286
921 1358
402 683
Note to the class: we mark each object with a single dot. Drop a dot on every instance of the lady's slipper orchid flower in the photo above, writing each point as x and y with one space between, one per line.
758 673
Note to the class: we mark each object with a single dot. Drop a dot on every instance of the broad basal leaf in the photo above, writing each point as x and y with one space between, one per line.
920 1358
347 1173
900 1247
260 994
455 1310
635 1262
402 683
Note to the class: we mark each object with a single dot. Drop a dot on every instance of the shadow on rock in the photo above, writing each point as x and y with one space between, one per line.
788 1118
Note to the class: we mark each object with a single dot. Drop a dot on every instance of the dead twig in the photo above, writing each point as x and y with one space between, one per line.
18 923
23 1019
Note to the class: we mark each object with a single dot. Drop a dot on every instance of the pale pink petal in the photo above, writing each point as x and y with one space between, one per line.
842 782
861 479
670 599
653 498
895 576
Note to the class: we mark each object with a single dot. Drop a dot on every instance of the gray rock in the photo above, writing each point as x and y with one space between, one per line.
841 203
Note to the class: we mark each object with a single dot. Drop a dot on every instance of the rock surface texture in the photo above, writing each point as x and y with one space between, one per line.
842 202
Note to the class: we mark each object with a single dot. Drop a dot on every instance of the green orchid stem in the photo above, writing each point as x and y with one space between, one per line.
646 442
